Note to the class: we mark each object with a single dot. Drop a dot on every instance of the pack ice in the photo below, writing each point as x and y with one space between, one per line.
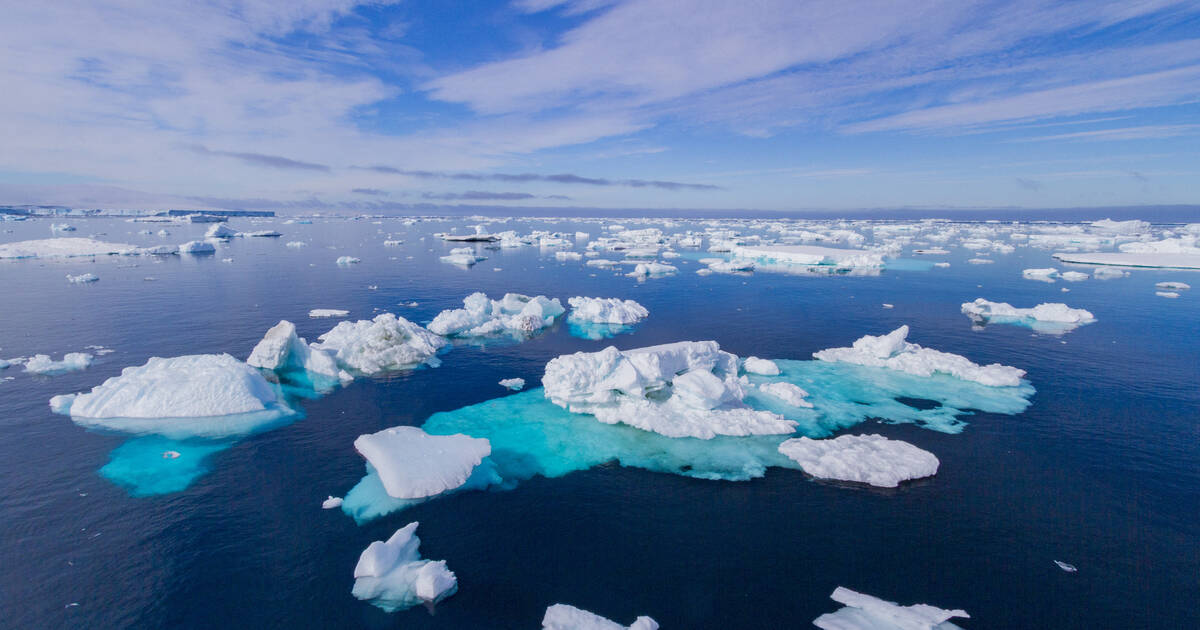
864 612
606 310
64 248
809 255
392 575
515 314
869 459
71 362
1053 317
566 617
893 352
683 389
281 351
388 342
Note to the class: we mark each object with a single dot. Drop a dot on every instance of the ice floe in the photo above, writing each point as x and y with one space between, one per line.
82 278
197 247
651 270
392 575
1047 274
809 255
755 365
64 248
567 617
606 310
514 384
869 459
71 362
331 503
864 612
1053 317
516 314
348 260
327 312
1133 259
893 352
290 356
388 342
1172 286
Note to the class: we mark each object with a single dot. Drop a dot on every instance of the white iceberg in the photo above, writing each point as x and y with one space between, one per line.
331 503
809 255
392 575
221 231
388 342
789 393
82 278
869 459
348 260
514 384
1074 276
412 464
480 316
1053 317
765 367
203 395
606 310
864 612
1172 286
652 269
281 351
327 312
462 256
64 248
71 362
566 617
893 352
684 389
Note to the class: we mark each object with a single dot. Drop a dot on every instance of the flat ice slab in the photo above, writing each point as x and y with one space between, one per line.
869 459
413 464
606 310
1133 259
566 617
63 248
864 612
891 351
809 255
391 574
328 312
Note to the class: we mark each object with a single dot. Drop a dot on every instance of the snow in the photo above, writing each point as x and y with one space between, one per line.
514 313
1047 317
809 255
683 389
328 312
864 612
606 310
869 459
208 395
1133 259
790 394
281 351
392 575
331 503
388 342
71 362
82 278
515 384
412 464
64 248
755 365
348 260
893 352
566 617
651 269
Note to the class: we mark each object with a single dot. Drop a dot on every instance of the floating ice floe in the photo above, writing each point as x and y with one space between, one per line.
732 266
82 278
1167 260
1172 286
464 256
291 357
651 270
348 260
765 367
1074 276
197 247
979 261
1052 317
393 576
684 389
388 342
565 256
1166 294
202 395
331 503
514 384
864 612
606 310
1132 226
1047 274
869 459
220 231
327 312
789 393
296 244
513 314
809 255
64 248
71 362
1069 568
893 352
566 617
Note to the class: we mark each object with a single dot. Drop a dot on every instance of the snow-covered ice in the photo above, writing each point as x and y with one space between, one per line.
71 362
328 312
869 459
82 278
514 314
893 352
281 351
197 247
755 365
789 393
392 575
1053 317
606 310
64 248
412 464
514 384
388 342
567 617
864 612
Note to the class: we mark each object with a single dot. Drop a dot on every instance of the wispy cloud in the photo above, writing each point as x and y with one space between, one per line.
373 192
1142 132
558 178
260 159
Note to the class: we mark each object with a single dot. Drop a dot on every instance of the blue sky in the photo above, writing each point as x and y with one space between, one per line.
760 104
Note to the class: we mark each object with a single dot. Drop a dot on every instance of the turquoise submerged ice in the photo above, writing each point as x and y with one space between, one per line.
154 464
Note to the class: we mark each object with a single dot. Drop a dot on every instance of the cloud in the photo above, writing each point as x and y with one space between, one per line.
260 159
374 192
1029 184
480 195
559 178
1142 132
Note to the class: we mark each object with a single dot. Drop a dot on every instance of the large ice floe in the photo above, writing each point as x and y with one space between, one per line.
291 357
64 248
567 617
809 255
1053 318
1171 253
864 612
893 352
601 318
392 575
514 314
205 395
388 342
71 362
869 459
684 389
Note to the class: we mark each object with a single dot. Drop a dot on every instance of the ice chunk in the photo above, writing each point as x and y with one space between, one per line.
1173 286
790 394
755 365
63 248
221 231
392 575
1069 568
1166 294
331 503
1052 317
206 395
515 384
652 269
462 256
1074 276
1168 260
1132 226
515 314
388 342
684 389
564 256
296 244
809 255
606 310
566 617
71 362
82 278
1047 274
870 459
864 612
892 351
281 351
348 260
197 247
328 312
414 465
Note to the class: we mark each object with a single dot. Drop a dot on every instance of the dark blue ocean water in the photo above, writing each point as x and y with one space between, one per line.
1102 470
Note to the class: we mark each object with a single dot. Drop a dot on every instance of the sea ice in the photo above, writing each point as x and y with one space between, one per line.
1167 260
288 355
331 503
652 269
348 260
1049 317
64 248
864 612
392 575
1166 294
197 247
71 362
809 255
515 314
606 310
869 459
1173 286
388 342
82 278
755 365
1043 275
328 312
566 617
790 394
221 231
892 351
515 384
412 464
1069 568
1074 276
462 256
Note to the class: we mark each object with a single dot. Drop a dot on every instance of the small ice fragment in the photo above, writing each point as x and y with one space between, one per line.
765 367
170 455
1069 568
331 502
886 305
1166 294
328 312
82 278
348 260
393 576
71 362
515 384
1173 286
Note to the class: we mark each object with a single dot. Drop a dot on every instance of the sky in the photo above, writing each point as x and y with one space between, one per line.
325 105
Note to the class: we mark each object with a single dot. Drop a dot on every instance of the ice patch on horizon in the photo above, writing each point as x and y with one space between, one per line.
393 576
864 612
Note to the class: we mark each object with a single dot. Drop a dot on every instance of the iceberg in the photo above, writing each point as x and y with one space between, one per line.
606 310
221 231
82 278
869 459
516 314
652 269
71 362
392 575
388 342
282 352
1054 318
566 617
464 256
64 248
755 365
684 389
893 352
864 612
197 247
202 395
